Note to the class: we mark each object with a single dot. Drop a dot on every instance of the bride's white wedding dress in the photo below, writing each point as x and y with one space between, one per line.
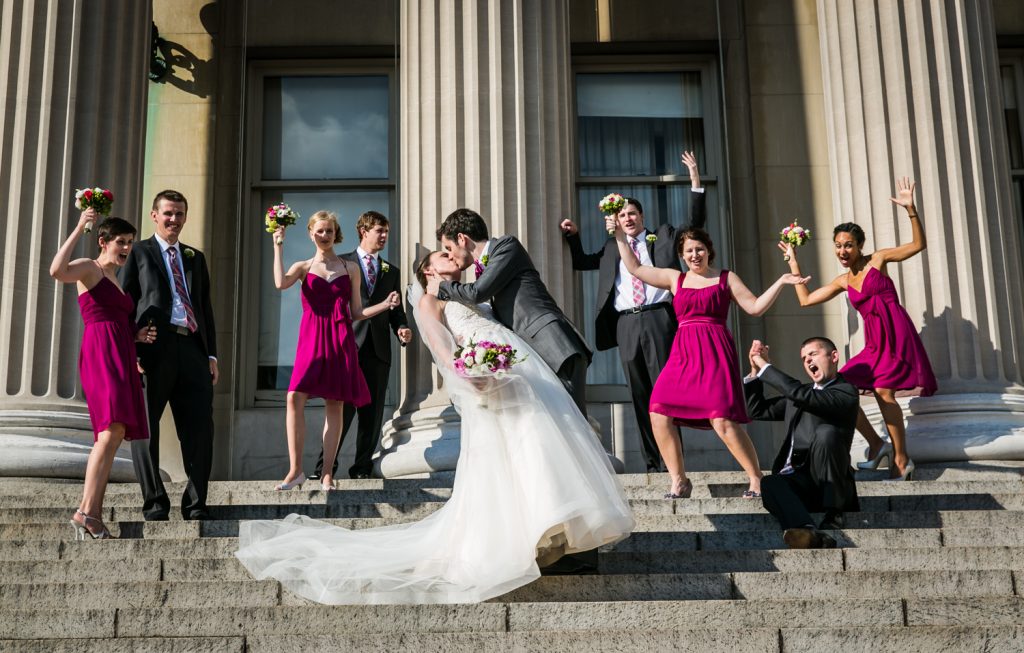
532 481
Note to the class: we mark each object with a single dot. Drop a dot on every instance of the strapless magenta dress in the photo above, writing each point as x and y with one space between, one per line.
326 359
107 362
701 379
893 356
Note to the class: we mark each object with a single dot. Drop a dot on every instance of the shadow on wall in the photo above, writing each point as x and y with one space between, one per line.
969 349
184 70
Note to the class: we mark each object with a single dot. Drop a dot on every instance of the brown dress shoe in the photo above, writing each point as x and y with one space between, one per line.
807 538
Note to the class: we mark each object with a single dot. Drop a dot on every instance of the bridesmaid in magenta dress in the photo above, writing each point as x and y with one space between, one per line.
111 381
326 359
893 360
700 384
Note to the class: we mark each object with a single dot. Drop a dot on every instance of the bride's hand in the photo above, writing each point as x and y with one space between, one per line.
433 283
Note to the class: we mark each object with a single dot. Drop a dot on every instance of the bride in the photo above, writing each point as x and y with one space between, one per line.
531 484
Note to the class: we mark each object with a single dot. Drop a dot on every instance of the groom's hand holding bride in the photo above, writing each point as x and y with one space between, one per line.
433 283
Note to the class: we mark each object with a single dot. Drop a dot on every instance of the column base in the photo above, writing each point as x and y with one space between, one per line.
55 456
956 427
421 442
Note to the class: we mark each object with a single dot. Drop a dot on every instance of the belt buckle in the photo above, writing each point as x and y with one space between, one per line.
636 309
180 330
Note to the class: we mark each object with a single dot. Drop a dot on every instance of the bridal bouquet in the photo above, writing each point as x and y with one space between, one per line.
485 358
794 235
280 215
97 198
610 205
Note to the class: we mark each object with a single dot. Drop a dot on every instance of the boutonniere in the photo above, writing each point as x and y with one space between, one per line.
651 238
189 252
484 259
384 267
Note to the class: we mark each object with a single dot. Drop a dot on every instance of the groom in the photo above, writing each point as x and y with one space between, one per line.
505 276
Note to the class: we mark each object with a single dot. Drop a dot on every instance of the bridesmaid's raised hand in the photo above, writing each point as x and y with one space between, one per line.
788 251
904 192
279 236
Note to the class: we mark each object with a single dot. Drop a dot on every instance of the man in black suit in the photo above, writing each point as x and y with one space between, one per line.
170 284
812 470
635 317
380 279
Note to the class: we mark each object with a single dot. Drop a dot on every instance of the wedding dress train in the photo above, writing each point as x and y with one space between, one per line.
532 481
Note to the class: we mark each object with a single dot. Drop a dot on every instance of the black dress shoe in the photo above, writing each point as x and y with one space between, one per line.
161 516
807 538
360 475
198 515
832 521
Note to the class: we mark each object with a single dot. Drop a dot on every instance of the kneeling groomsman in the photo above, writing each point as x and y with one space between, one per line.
812 470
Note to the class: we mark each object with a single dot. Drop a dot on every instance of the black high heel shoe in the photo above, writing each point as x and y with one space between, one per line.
684 492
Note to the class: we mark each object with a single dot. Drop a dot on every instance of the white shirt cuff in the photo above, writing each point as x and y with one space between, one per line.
697 190
761 371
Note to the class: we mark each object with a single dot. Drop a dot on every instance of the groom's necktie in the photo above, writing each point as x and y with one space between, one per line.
179 287
639 292
478 267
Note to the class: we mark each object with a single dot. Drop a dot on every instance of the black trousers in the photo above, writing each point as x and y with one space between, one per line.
573 374
822 483
371 416
645 341
177 372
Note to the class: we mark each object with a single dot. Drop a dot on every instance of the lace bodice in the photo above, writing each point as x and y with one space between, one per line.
465 321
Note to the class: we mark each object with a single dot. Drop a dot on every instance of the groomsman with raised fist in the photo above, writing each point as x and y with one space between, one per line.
637 318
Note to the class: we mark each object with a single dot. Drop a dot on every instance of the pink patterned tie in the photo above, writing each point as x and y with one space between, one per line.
179 287
371 273
478 267
639 293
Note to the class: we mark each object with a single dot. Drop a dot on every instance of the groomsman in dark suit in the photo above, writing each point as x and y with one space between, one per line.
170 284
380 278
635 317
812 470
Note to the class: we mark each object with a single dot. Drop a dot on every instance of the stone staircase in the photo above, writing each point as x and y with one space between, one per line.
936 564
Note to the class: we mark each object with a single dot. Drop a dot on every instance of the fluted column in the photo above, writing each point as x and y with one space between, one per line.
72 113
913 88
485 123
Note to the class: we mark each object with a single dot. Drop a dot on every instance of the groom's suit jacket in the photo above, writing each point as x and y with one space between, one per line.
809 414
521 302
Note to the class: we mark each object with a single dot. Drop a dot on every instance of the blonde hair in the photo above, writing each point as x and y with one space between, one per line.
326 216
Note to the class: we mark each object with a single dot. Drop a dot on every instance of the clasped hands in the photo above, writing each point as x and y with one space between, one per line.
758 357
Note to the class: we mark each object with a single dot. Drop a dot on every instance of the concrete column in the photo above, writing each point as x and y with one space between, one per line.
486 117
72 113
913 89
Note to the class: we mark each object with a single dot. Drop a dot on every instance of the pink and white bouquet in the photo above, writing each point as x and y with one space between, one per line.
794 235
97 198
280 215
485 358
611 204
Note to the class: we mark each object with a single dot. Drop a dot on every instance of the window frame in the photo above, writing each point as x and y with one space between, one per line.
251 230
714 153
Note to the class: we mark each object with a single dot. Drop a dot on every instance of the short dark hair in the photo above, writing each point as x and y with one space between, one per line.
170 196
463 221
635 202
825 342
700 235
851 228
112 227
369 220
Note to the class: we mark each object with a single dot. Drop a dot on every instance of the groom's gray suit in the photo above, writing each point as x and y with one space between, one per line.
522 303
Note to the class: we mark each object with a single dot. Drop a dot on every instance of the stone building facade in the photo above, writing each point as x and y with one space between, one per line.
527 110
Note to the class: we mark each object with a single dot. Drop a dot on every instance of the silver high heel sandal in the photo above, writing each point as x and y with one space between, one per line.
81 530
885 452
297 483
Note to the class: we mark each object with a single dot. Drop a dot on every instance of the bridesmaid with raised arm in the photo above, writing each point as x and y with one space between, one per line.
893 359
107 363
326 360
700 384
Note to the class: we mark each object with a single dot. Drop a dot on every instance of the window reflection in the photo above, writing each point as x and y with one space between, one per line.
325 127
